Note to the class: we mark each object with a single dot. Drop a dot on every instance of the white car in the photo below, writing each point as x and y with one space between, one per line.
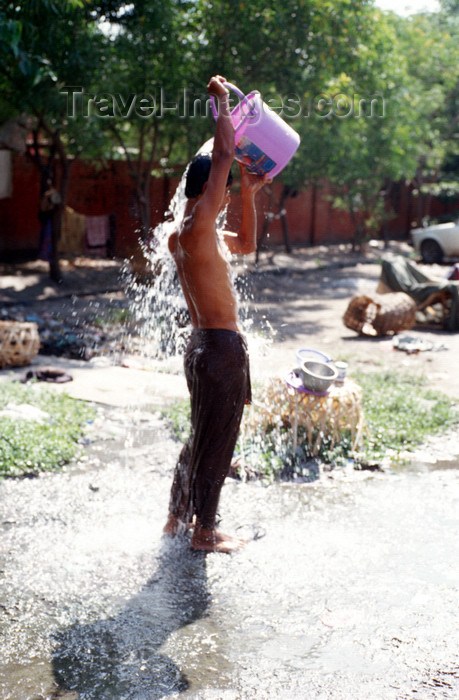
436 242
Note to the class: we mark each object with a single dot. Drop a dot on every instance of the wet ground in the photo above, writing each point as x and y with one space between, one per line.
347 590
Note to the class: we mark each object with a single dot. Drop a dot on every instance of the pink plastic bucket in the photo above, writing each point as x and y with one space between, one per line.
264 143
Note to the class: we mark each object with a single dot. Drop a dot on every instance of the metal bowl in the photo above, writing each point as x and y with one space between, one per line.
310 354
318 376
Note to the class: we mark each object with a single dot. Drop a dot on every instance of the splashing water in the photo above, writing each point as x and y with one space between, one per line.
159 307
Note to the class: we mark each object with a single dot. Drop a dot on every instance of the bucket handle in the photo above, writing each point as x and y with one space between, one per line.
239 93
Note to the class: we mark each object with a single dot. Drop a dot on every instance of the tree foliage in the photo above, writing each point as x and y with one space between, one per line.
134 75
412 65
430 47
44 46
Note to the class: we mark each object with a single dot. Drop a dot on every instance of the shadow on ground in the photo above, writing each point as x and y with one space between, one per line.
28 283
119 656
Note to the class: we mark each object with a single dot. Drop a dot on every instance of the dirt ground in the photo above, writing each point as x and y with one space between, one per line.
295 300
305 300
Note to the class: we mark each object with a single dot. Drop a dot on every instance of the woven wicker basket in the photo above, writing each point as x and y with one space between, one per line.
19 343
381 314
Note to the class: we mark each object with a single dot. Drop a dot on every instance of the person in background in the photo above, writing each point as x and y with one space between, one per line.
48 203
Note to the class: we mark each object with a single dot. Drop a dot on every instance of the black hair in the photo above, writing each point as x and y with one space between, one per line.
198 174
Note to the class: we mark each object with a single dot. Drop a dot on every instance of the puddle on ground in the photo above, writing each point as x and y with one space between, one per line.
348 588
439 464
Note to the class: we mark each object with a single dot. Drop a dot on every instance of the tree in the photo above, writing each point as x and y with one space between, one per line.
362 152
451 6
430 45
289 51
167 52
45 46
137 90
371 133
139 83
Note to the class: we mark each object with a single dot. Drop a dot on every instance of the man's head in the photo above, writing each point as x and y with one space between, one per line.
198 174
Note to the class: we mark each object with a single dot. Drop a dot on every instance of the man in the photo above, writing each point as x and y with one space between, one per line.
216 360
50 199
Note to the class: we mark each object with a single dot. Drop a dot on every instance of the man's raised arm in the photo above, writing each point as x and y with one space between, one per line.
245 241
222 152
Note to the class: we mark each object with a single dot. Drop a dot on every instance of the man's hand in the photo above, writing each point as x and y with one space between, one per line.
215 86
245 240
251 183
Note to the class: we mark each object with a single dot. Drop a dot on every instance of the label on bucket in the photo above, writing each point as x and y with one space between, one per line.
254 159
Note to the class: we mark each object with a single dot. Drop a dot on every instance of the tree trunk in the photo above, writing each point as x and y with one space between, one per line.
409 206
359 228
54 266
387 196
56 155
64 168
419 201
282 213
141 174
143 197
312 226
54 263
267 220
428 199
145 178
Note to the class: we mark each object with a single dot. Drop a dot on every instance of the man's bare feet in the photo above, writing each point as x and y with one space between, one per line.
175 526
215 541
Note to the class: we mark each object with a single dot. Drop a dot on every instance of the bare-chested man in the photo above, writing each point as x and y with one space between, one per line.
216 360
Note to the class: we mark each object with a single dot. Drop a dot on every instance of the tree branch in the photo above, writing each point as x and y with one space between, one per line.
129 160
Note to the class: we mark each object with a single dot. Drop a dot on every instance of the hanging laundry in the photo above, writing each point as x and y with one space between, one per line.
97 235
73 232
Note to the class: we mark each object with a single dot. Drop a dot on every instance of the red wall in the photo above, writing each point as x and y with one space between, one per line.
19 225
92 191
97 190
110 190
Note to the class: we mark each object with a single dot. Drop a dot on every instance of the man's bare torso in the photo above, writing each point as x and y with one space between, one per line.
205 275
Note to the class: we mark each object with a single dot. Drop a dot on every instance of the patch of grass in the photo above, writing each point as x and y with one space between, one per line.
28 446
178 416
114 317
400 410
319 263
